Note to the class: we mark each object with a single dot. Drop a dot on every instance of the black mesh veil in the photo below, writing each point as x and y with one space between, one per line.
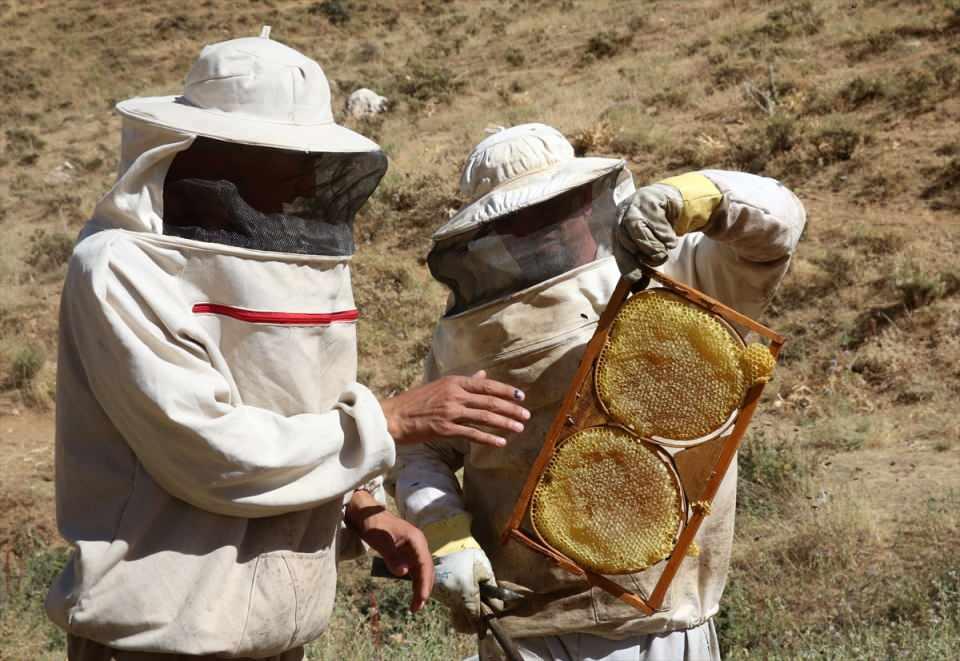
505 255
308 210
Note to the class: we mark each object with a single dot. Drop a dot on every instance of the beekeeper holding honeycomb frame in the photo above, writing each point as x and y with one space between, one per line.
531 263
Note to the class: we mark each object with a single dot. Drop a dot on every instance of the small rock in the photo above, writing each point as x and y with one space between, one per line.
366 103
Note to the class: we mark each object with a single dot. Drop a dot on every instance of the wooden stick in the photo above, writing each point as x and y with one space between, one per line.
553 435
599 580
709 492
715 306
566 422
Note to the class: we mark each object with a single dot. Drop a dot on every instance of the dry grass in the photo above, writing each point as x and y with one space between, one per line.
852 104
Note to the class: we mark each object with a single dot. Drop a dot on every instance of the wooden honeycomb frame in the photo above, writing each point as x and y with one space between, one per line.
701 468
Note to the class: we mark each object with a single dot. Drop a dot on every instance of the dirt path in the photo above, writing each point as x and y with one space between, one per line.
899 482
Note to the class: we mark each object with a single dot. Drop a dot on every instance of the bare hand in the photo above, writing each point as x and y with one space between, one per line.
451 406
402 545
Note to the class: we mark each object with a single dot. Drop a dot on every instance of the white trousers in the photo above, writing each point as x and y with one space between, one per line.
697 644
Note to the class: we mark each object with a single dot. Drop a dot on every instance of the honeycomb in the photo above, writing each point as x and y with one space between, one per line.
673 370
608 501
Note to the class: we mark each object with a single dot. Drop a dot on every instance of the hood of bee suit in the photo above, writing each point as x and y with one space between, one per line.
537 211
243 111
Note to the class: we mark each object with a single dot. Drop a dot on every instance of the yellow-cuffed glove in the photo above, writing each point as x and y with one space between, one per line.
461 566
660 213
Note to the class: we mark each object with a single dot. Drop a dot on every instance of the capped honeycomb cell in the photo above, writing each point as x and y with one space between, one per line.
608 501
673 370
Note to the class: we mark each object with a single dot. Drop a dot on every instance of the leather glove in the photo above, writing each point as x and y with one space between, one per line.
660 213
460 566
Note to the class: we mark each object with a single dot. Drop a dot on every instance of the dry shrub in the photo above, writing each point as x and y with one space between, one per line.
763 142
337 12
874 43
860 91
912 285
796 18
424 82
784 598
944 192
605 45
48 251
592 140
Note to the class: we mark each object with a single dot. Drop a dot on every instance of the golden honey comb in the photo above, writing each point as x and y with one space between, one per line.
608 501
671 369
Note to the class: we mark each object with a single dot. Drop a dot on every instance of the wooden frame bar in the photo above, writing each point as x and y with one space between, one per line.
574 415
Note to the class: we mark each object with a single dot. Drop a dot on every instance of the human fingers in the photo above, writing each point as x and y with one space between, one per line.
493 421
497 405
637 239
396 562
453 430
480 385
421 571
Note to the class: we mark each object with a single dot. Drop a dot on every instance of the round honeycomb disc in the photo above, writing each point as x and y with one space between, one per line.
670 369
608 501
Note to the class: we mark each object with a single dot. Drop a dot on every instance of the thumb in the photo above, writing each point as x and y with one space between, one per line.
397 565
480 374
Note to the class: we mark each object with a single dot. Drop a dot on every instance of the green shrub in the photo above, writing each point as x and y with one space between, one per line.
25 365
27 575
917 286
371 620
769 472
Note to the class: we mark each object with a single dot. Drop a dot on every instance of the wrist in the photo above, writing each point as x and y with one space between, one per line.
388 406
362 510
699 198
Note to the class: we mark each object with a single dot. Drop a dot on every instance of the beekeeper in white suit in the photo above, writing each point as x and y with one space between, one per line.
214 453
531 262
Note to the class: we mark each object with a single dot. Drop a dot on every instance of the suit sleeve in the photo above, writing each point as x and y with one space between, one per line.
424 481
744 251
179 415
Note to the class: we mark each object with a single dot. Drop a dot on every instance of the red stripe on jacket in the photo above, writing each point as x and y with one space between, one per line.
264 317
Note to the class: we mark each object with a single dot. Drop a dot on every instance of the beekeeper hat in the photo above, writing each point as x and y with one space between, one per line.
516 168
253 91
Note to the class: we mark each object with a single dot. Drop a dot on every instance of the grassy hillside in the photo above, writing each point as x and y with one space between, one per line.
849 491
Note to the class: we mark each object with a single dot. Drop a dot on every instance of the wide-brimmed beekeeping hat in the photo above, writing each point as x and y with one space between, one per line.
516 168
536 211
253 91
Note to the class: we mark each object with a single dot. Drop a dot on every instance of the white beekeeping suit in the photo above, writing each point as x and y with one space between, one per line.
209 421
530 269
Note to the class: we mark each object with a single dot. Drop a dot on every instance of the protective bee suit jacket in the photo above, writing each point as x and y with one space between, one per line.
208 427
534 339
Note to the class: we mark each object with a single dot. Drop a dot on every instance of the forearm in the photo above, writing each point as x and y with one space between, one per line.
758 217
360 508
424 483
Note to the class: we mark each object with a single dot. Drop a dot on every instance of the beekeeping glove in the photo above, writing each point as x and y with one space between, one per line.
460 566
660 213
